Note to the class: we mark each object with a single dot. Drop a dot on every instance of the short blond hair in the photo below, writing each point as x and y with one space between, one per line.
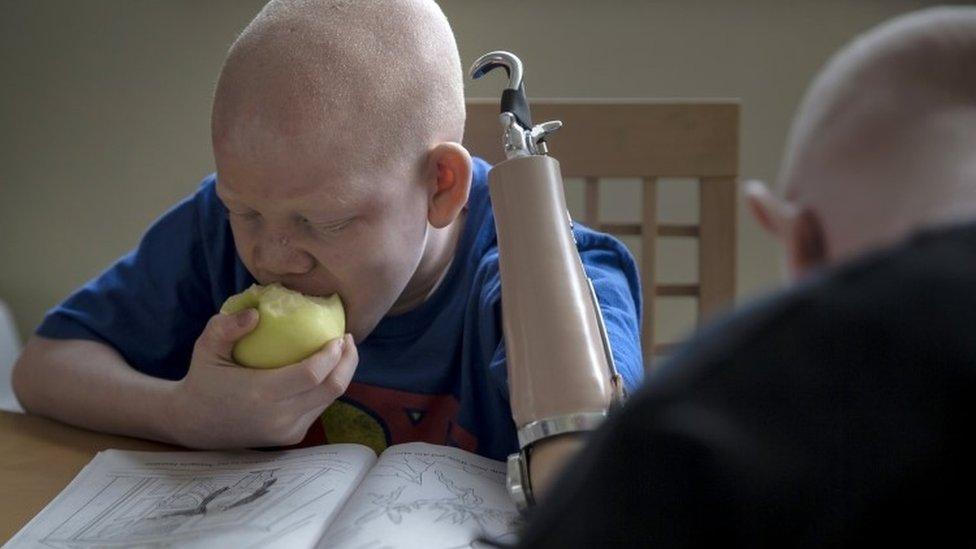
884 141
378 72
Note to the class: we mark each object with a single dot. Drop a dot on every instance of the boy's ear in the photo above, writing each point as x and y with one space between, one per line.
772 213
450 182
799 230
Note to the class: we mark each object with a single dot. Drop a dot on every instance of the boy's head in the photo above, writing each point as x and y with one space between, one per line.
883 143
336 128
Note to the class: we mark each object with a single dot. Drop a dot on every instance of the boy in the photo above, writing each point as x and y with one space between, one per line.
839 412
336 131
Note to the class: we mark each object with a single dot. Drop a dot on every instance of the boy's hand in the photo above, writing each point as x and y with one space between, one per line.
222 405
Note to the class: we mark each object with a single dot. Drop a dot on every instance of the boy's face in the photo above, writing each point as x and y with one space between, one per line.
321 221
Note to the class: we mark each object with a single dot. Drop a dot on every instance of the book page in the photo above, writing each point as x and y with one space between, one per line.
426 496
201 499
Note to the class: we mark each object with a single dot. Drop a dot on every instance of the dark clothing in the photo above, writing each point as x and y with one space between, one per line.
837 413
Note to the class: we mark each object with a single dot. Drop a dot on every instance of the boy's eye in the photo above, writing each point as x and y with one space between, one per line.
328 228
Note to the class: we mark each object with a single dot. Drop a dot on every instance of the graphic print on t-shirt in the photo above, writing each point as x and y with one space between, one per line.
379 417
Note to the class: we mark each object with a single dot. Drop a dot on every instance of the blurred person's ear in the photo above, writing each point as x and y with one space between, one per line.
773 213
449 183
798 230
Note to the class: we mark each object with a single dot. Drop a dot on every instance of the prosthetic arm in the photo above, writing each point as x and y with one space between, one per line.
561 373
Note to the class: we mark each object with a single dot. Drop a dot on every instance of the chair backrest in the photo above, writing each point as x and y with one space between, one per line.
646 139
9 350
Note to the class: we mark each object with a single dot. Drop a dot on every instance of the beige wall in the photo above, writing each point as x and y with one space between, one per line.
104 105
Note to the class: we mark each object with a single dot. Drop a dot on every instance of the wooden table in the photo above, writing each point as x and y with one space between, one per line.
39 457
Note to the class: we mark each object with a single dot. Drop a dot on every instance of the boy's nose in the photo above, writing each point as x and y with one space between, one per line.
277 255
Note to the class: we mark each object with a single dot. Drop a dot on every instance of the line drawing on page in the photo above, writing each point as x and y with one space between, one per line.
427 499
408 467
154 507
460 506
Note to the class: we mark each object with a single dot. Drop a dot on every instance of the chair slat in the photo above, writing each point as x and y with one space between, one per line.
648 267
623 137
716 249
635 229
673 231
677 290
622 229
592 204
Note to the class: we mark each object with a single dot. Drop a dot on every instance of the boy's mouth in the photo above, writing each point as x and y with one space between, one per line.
304 288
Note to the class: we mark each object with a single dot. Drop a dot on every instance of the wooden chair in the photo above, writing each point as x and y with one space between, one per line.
647 139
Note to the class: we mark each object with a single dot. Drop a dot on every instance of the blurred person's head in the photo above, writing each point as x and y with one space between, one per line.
883 144
336 128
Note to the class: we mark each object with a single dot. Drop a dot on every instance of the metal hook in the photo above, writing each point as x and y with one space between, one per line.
513 97
521 137
495 59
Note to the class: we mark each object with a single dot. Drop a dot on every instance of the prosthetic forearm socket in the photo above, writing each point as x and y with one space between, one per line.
560 367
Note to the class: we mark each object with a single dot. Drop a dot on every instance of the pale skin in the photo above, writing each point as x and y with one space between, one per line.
220 405
309 211
381 235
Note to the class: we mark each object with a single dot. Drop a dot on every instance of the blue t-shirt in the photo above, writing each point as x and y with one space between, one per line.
435 374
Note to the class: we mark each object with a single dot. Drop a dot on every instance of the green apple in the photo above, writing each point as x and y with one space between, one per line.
291 326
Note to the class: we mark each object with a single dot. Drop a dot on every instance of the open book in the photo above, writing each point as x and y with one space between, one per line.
338 495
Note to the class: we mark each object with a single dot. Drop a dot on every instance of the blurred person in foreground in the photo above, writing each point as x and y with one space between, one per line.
837 412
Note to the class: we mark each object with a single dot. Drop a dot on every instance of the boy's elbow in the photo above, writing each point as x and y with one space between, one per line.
28 374
20 379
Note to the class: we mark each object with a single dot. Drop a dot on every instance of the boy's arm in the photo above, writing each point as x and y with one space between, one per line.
616 281
139 351
548 458
216 405
88 384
